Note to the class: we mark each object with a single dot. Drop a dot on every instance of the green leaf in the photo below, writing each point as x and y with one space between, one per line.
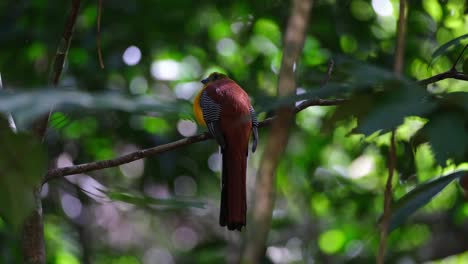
443 49
418 197
465 66
457 100
392 107
447 135
22 168
383 111
146 201
269 29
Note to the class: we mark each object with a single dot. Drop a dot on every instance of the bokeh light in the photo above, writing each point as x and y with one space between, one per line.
132 55
382 7
157 191
184 238
186 128
332 241
166 70
71 205
226 47
154 125
187 90
361 166
361 10
157 256
214 162
44 190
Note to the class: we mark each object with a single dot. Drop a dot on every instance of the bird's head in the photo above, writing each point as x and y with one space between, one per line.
214 77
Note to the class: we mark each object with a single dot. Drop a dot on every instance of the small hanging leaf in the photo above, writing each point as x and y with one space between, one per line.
443 49
145 200
418 197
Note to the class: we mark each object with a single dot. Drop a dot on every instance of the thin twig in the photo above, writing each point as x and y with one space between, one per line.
388 195
450 74
65 41
97 165
304 105
87 167
388 199
101 61
331 65
400 45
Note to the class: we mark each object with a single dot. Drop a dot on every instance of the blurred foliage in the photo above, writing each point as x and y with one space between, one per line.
145 200
420 196
20 175
330 181
444 48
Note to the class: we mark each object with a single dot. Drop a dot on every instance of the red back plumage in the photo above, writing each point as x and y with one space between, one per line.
236 126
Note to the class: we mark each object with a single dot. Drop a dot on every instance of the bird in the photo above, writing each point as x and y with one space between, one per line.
225 109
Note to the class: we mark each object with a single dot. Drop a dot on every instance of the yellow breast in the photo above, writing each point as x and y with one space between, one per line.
197 111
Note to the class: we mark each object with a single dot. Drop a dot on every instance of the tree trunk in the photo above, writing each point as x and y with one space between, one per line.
32 241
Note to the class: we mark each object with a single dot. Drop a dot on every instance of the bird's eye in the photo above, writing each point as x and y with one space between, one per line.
215 76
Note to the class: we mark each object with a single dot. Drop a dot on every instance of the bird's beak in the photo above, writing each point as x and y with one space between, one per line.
204 81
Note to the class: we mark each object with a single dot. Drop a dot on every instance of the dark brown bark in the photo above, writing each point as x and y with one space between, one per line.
32 241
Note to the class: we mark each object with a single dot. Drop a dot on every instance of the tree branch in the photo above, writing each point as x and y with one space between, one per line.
32 241
65 41
304 105
103 164
450 74
92 166
401 34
